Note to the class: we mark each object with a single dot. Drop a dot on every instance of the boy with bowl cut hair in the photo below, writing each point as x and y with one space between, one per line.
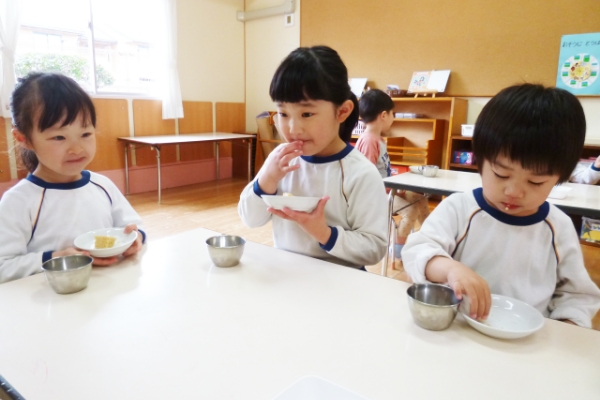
504 238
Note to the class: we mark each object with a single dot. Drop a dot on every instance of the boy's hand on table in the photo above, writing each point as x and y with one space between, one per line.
313 223
135 246
277 165
464 281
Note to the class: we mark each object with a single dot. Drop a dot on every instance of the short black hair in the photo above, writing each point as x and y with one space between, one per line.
315 73
372 103
543 128
46 99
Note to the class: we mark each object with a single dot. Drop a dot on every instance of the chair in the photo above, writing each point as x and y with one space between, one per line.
268 137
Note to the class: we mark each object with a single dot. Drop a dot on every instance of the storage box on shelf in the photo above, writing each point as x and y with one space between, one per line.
421 141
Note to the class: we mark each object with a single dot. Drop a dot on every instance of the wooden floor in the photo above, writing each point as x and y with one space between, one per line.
213 205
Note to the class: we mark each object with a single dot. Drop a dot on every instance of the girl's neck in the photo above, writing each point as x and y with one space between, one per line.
373 129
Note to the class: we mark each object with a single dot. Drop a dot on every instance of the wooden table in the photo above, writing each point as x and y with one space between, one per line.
157 141
170 325
581 200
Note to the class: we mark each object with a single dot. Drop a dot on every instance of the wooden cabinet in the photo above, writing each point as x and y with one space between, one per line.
426 140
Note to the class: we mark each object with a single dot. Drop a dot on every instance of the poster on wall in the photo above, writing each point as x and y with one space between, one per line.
578 66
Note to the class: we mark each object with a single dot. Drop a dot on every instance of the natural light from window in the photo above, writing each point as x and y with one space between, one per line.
54 37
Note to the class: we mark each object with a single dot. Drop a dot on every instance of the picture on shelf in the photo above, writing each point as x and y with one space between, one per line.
429 81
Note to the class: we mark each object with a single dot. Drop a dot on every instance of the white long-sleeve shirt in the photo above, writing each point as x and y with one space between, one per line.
586 173
536 259
356 210
38 218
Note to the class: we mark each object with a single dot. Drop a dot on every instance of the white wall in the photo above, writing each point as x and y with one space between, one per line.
210 50
268 42
591 108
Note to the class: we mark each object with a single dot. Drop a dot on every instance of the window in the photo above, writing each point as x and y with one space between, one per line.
55 36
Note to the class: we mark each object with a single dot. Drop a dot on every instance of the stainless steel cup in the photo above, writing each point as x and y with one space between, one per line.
432 306
68 274
225 250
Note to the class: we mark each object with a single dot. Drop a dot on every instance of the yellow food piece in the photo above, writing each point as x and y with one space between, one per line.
104 242
287 194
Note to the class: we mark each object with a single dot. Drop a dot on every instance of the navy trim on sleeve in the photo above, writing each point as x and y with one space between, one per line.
143 235
47 256
332 239
259 192
105 191
594 168
533 219
85 179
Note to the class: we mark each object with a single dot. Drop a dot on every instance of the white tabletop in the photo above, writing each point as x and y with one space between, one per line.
169 325
582 199
186 138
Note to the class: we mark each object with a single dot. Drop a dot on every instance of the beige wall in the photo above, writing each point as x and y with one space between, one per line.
268 42
210 50
591 107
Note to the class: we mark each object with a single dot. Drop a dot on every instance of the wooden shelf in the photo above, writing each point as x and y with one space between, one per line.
469 138
428 120
586 243
465 166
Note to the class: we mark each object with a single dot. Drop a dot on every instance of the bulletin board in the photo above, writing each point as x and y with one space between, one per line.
487 45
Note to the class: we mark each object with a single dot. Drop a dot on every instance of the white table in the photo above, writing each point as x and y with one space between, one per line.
157 141
169 325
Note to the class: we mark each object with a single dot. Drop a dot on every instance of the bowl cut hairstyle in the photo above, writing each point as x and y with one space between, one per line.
372 103
541 128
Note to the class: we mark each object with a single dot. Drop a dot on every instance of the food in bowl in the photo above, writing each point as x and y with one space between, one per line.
104 242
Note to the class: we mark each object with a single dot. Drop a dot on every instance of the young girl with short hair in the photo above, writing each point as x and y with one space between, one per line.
54 125
316 113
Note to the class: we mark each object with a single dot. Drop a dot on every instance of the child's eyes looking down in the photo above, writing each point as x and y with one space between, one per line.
506 177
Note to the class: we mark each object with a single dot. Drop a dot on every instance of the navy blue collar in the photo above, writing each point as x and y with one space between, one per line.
539 216
327 159
85 179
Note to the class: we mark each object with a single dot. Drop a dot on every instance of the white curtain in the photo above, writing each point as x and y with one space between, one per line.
9 28
172 106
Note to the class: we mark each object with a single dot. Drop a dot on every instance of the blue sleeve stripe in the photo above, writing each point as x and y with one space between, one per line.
332 239
143 236
594 167
47 256
259 192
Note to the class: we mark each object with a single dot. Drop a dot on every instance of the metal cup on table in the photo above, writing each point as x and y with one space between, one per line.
429 170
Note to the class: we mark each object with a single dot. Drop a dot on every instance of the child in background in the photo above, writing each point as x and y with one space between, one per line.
376 110
54 125
590 175
504 238
316 113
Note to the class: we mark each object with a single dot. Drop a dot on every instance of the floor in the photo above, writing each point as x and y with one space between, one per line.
213 205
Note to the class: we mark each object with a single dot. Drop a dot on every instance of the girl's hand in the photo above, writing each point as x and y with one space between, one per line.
135 246
313 223
277 165
97 261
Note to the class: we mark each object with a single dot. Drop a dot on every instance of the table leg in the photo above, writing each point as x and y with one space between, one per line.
249 160
389 231
217 159
158 170
126 169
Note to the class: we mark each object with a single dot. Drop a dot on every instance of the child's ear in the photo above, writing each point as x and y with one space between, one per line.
344 110
21 138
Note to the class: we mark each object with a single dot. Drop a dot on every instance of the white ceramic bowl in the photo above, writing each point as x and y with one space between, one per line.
559 192
297 203
87 242
509 318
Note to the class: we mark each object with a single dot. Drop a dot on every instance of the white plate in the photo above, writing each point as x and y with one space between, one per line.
297 203
415 169
315 388
559 192
509 318
87 241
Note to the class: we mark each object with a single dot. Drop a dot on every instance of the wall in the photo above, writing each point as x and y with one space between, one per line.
210 50
268 42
